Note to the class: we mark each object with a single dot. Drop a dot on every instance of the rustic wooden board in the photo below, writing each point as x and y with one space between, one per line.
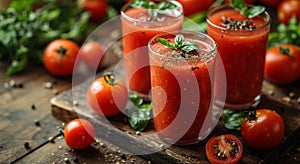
119 136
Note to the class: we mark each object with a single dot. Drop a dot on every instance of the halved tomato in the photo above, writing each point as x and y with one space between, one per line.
223 149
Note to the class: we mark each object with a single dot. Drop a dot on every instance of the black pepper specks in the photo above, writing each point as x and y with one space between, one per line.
231 24
26 145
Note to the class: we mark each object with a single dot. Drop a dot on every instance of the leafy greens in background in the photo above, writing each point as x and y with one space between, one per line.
286 34
25 32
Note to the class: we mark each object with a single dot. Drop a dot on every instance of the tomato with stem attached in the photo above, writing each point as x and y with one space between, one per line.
79 133
288 9
262 129
107 95
92 54
97 8
282 65
224 149
59 57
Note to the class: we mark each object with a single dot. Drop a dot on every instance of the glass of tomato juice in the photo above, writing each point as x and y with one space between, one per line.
242 45
182 88
138 26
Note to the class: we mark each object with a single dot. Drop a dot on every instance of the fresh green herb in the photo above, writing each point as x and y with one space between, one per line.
25 32
252 12
233 118
180 44
286 34
140 114
154 8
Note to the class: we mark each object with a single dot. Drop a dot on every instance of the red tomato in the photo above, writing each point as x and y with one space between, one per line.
59 57
107 95
224 149
246 1
97 8
264 131
287 9
270 3
282 65
92 54
193 6
79 134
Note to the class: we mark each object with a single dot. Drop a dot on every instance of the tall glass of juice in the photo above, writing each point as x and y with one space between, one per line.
242 45
138 26
182 86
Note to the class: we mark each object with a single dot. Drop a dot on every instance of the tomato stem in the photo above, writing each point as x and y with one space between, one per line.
109 78
61 51
251 114
286 51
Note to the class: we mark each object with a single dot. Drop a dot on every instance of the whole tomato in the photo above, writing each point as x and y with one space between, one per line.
79 134
59 57
270 3
246 1
282 65
97 8
92 54
191 7
264 130
224 149
287 9
107 95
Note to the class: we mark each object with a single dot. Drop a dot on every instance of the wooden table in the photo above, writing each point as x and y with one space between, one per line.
26 117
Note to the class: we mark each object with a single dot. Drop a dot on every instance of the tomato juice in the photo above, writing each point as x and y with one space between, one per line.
182 90
242 49
138 26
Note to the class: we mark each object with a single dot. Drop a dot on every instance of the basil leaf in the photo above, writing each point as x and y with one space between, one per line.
189 46
179 39
233 118
136 100
239 5
255 11
139 119
252 12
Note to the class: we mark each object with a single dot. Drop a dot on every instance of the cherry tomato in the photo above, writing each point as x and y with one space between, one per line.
270 3
282 65
246 1
264 131
107 95
191 7
97 8
224 149
287 9
92 54
79 134
59 57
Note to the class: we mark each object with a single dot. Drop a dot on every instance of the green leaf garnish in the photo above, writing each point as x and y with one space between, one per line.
252 12
140 113
180 44
154 8
233 118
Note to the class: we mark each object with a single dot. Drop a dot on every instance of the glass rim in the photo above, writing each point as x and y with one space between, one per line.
265 15
211 54
126 6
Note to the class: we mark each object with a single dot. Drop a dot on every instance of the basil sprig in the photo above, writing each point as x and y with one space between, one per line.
180 44
154 8
140 114
252 12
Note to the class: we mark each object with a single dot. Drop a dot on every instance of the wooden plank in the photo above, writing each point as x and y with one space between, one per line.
63 107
